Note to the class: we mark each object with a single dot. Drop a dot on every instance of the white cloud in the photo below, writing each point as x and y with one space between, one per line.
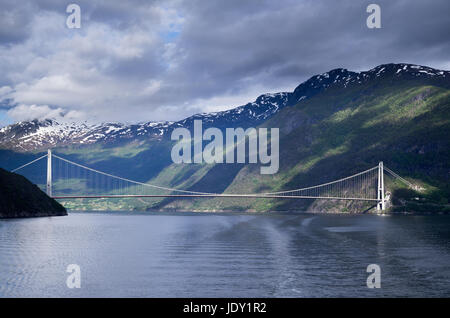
164 60
25 112
30 112
5 91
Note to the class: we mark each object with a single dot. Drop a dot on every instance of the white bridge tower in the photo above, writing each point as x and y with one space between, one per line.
49 172
381 205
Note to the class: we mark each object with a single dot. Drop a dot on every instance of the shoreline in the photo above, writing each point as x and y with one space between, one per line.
190 212
226 213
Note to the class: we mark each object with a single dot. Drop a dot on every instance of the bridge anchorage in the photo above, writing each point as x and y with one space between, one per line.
70 180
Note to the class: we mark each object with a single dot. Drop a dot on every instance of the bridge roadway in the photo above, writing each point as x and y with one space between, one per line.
204 196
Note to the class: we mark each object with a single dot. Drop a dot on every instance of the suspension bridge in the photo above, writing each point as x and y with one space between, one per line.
70 180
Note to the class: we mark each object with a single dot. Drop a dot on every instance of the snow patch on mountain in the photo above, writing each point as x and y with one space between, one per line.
38 135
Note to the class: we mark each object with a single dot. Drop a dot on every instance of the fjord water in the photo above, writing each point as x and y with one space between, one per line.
233 255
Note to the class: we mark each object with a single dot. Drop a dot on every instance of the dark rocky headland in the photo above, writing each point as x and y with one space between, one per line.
20 198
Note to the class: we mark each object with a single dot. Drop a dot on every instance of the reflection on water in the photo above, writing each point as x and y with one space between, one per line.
207 255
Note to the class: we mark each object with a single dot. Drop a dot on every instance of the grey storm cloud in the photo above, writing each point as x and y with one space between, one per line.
164 60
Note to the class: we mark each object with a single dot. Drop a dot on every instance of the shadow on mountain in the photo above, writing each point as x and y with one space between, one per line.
216 180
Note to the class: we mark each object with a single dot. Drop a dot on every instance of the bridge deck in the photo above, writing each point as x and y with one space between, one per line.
205 196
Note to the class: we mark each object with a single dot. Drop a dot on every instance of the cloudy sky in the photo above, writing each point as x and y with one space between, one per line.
140 61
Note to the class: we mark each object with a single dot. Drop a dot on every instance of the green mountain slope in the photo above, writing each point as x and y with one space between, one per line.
404 122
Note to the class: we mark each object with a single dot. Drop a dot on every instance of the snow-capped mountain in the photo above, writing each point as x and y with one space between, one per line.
35 135
244 116
38 135
342 78
42 134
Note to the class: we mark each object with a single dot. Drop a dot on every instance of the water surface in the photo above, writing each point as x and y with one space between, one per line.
234 255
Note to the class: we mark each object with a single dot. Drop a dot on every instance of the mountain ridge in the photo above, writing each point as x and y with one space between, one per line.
41 134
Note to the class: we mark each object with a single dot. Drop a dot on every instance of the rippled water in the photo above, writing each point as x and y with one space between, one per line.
208 255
